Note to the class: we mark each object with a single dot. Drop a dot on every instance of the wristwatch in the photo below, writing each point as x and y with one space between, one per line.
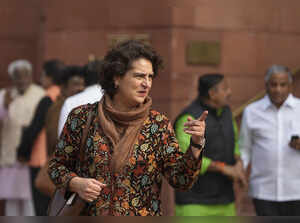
198 146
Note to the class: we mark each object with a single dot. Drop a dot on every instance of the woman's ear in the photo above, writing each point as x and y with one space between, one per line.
116 81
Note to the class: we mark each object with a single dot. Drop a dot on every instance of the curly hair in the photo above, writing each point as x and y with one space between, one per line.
119 60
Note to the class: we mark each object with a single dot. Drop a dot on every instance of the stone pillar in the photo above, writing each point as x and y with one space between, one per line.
19 22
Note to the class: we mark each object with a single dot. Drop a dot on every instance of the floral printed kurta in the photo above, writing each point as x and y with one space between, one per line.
135 190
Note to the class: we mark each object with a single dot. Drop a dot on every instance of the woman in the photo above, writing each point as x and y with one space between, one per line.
130 146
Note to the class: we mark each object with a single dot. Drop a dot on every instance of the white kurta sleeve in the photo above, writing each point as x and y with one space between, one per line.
3 110
245 139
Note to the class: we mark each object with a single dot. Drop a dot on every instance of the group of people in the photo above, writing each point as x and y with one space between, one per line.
268 146
30 116
118 168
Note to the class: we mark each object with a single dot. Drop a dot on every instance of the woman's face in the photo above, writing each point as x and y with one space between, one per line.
135 85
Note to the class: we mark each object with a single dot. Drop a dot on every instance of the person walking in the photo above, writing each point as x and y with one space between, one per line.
129 147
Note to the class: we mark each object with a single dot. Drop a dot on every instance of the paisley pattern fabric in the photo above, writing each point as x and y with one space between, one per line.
135 190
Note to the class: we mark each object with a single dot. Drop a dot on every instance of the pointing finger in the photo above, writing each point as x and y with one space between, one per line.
203 116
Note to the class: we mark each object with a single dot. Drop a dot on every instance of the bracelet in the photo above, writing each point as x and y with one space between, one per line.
197 146
220 164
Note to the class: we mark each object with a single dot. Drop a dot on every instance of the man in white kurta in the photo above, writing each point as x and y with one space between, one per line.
265 143
17 106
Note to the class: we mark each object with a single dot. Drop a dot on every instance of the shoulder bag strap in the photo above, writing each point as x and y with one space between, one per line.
84 135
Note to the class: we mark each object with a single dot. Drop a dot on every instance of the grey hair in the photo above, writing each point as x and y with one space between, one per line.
275 69
19 64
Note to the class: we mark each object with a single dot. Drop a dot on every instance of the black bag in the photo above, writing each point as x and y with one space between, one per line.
65 203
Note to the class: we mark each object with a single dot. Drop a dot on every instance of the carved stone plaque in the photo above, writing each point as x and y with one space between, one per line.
203 53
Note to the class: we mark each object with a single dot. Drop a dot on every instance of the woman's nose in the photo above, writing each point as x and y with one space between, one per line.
147 82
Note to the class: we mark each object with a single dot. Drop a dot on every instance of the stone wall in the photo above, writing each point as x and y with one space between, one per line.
19 33
253 35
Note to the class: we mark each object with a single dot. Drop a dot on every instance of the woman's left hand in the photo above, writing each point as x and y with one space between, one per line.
196 128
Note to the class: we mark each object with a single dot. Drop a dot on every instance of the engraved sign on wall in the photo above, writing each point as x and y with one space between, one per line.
203 53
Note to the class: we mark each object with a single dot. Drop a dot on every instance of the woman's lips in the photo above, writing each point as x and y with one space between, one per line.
142 93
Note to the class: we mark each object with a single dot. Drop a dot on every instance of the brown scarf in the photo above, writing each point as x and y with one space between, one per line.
122 128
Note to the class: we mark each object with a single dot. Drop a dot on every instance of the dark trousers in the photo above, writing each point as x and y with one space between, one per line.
273 208
2 207
40 200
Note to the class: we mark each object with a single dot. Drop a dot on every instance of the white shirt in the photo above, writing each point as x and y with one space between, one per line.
264 137
3 111
18 115
90 95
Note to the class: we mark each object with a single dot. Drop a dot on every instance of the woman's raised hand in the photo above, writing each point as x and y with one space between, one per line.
196 128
